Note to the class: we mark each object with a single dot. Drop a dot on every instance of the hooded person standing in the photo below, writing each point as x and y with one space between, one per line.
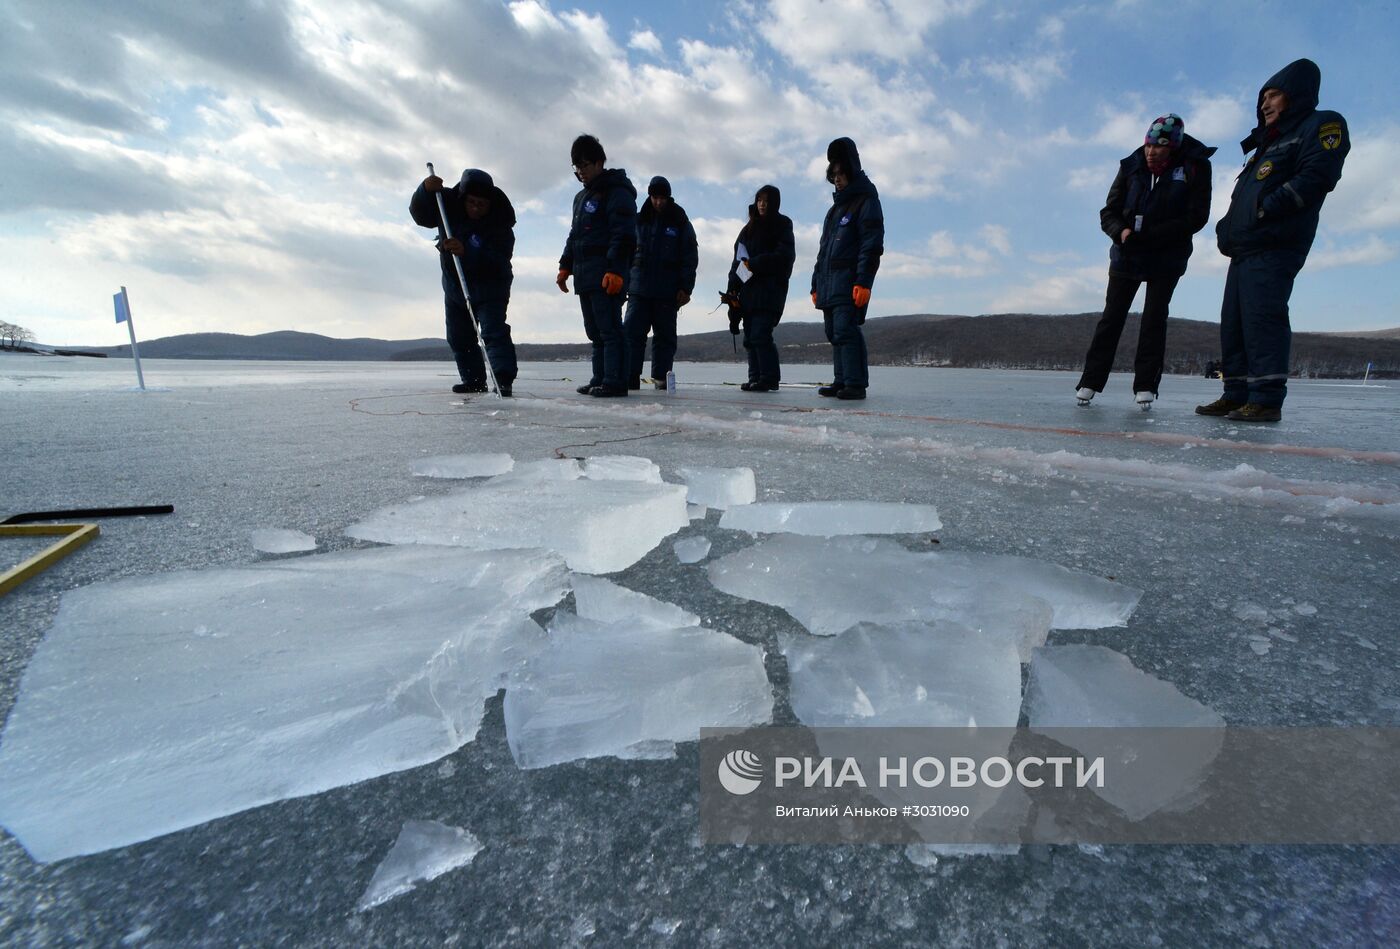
482 222
764 254
597 253
853 238
1160 198
1298 151
661 281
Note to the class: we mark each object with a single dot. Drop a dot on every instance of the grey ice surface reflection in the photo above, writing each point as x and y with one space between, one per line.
424 850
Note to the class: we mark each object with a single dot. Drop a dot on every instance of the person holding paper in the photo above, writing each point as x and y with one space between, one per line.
758 280
661 281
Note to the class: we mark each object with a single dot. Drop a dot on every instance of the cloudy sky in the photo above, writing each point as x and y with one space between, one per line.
246 167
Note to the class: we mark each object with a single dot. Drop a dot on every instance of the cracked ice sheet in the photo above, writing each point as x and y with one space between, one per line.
829 585
615 689
605 602
596 526
157 703
832 518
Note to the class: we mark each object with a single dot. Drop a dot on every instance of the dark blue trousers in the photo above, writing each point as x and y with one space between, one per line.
849 362
763 352
495 332
1255 335
657 316
602 324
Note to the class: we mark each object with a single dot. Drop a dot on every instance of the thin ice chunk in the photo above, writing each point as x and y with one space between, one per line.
633 693
596 526
719 487
157 703
833 518
424 850
696 512
692 549
546 469
621 468
1079 600
605 602
281 541
463 466
1092 687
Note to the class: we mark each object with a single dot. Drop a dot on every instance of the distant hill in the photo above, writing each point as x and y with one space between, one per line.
1000 341
1393 333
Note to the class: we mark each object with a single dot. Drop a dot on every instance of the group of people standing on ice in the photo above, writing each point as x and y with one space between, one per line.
1159 199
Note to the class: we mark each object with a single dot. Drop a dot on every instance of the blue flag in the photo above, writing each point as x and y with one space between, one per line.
119 301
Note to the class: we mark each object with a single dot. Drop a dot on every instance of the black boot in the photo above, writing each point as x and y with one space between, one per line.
851 392
585 389
608 392
463 388
829 391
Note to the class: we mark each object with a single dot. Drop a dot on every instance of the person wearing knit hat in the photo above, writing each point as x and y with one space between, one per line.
764 253
1159 199
660 283
848 256
482 222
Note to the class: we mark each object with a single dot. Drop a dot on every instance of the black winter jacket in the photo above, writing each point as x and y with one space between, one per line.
489 243
853 238
1296 163
603 235
771 253
1163 215
667 253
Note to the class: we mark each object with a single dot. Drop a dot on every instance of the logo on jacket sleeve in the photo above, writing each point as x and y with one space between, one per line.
474 240
845 219
1330 135
590 206
1265 169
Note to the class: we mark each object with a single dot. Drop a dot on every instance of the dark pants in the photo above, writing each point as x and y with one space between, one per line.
657 316
849 363
1152 334
495 332
1255 335
763 352
602 324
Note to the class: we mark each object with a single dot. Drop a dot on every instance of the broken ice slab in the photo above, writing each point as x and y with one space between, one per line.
1003 821
157 703
424 850
545 469
719 487
692 549
1079 600
605 602
621 468
278 540
615 689
832 518
463 466
1096 701
596 526
696 512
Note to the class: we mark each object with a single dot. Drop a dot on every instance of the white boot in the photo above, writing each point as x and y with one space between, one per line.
1084 395
1145 399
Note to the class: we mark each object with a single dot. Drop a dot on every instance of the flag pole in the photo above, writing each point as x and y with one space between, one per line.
123 305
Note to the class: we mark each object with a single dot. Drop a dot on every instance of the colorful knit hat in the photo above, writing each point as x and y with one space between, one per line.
1166 130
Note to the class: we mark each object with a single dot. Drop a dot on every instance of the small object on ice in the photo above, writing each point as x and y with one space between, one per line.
463 466
281 541
621 468
1084 395
1260 648
1144 400
833 518
424 850
719 487
605 602
692 549
617 689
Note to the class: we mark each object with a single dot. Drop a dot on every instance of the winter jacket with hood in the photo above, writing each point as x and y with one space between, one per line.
853 234
771 253
667 253
603 235
489 242
1296 163
1163 213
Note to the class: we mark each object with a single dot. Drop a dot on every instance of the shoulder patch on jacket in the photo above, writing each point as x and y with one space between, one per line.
1179 173
1265 168
1330 135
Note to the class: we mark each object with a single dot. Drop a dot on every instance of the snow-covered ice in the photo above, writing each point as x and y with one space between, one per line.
280 540
463 466
692 549
719 488
621 468
832 518
160 702
599 599
596 526
424 850
620 689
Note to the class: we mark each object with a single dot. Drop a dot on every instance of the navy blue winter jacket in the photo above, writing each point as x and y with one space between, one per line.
1162 216
603 234
853 238
771 252
489 242
1296 163
667 253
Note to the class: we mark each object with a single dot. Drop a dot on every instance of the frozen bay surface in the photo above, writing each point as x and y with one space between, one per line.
1264 557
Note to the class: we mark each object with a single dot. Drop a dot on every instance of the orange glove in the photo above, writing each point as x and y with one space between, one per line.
861 295
814 298
612 284
563 281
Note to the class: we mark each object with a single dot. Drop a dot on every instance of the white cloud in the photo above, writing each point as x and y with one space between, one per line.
818 31
1079 290
1368 196
1373 250
1030 76
646 41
